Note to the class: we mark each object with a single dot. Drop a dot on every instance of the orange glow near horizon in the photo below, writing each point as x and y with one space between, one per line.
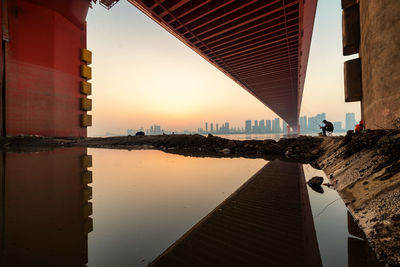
142 75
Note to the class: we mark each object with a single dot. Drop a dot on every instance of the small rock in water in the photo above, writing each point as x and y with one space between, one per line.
226 151
315 184
315 181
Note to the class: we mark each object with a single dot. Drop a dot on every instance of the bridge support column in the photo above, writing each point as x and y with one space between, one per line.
42 43
373 78
380 27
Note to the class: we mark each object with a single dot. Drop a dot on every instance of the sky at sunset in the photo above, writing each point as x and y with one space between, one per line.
142 75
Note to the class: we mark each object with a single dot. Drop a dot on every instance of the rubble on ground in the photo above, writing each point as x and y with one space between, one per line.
365 170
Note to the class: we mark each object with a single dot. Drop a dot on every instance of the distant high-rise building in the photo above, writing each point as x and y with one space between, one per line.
155 129
216 127
212 127
284 126
276 126
206 126
268 127
350 121
310 124
337 125
273 127
255 127
303 123
315 122
261 126
248 126
320 118
226 127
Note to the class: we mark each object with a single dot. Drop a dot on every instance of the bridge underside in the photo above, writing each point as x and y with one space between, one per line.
45 66
262 45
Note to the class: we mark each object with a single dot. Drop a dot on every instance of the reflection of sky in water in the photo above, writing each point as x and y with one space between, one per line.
330 221
145 200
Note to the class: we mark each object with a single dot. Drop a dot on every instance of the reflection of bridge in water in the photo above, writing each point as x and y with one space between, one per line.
267 222
45 209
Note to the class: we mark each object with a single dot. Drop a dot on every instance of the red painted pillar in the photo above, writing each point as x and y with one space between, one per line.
42 67
288 129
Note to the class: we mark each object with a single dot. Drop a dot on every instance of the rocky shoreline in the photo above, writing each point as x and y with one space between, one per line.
304 148
364 169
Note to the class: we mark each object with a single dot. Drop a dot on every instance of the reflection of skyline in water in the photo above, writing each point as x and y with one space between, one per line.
143 202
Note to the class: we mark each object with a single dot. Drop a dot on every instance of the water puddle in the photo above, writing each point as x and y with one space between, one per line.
71 207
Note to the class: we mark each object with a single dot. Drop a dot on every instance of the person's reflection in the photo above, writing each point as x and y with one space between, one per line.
45 208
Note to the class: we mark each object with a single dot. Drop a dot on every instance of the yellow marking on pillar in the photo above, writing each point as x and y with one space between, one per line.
87 210
86 120
86 88
86 194
86 177
86 55
86 104
86 72
86 161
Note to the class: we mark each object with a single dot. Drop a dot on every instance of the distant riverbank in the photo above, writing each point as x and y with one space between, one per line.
273 136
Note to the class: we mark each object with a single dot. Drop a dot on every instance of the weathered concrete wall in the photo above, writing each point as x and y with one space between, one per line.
380 59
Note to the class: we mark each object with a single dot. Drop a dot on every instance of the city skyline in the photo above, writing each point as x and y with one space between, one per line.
156 78
308 124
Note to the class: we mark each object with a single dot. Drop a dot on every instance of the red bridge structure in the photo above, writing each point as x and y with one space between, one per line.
262 45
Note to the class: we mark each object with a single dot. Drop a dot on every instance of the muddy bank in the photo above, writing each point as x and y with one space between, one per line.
364 169
304 148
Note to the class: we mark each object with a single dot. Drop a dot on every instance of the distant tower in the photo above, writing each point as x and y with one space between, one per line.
303 123
255 127
337 125
211 127
268 126
206 126
248 126
261 126
277 125
284 125
350 121
323 116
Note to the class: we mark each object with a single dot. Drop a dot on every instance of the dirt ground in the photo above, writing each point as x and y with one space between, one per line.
365 170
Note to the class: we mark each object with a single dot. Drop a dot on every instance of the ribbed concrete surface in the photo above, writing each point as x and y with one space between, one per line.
261 45
266 222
